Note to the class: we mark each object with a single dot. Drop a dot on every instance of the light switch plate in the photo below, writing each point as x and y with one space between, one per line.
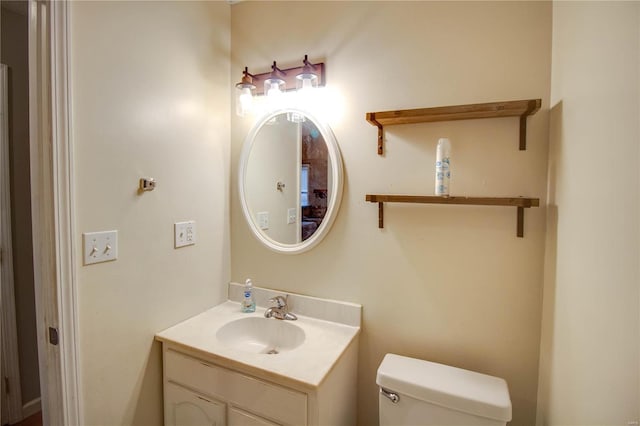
100 246
184 233
291 215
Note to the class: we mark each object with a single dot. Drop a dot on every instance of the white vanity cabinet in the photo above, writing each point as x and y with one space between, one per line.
220 393
210 380
200 392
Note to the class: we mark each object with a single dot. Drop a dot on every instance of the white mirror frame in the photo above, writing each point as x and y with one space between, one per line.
336 185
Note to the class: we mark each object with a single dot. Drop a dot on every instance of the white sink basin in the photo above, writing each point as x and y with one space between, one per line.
261 335
308 348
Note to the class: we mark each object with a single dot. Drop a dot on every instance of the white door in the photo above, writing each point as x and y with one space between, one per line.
11 406
3 123
186 408
51 197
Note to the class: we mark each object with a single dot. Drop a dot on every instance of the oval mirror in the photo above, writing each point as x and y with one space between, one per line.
290 180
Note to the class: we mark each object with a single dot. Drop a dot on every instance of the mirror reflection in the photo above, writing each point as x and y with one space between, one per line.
289 173
313 179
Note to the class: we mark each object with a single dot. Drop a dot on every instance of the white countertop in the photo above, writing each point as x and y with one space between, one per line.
325 341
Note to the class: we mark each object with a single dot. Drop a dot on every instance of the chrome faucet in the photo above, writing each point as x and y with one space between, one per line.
281 310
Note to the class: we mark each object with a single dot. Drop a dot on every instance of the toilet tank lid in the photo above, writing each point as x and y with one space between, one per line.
451 387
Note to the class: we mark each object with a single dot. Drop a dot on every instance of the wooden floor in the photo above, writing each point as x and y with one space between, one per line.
35 420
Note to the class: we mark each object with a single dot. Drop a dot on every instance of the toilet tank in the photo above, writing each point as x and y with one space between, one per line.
427 393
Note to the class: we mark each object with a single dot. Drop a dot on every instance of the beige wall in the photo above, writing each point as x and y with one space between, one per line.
15 55
150 97
589 352
449 284
268 164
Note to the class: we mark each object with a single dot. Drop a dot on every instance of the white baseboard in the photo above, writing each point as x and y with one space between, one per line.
31 407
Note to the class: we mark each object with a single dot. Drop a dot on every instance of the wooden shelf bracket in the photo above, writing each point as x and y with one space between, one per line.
520 203
533 106
380 139
520 222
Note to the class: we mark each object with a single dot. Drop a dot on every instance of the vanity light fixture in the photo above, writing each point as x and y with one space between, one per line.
302 79
306 83
275 84
307 79
245 93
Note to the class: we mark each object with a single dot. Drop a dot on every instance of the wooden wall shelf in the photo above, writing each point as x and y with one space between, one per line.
519 202
521 109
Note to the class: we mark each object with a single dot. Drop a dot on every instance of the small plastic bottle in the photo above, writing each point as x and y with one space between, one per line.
443 167
248 304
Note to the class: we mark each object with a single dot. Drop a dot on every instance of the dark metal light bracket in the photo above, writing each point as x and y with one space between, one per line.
289 77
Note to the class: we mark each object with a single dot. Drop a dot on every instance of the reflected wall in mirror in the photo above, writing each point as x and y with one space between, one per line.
290 180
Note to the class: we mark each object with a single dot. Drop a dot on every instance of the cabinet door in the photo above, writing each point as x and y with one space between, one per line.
185 408
259 396
238 417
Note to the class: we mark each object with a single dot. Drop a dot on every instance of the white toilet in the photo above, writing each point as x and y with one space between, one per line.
417 392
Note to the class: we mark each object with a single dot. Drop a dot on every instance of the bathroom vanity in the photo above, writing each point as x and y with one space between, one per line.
225 367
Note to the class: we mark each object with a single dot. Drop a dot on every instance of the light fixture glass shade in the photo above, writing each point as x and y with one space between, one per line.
306 81
245 93
274 88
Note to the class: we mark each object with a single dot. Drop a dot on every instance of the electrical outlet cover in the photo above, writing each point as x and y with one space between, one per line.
291 215
263 220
